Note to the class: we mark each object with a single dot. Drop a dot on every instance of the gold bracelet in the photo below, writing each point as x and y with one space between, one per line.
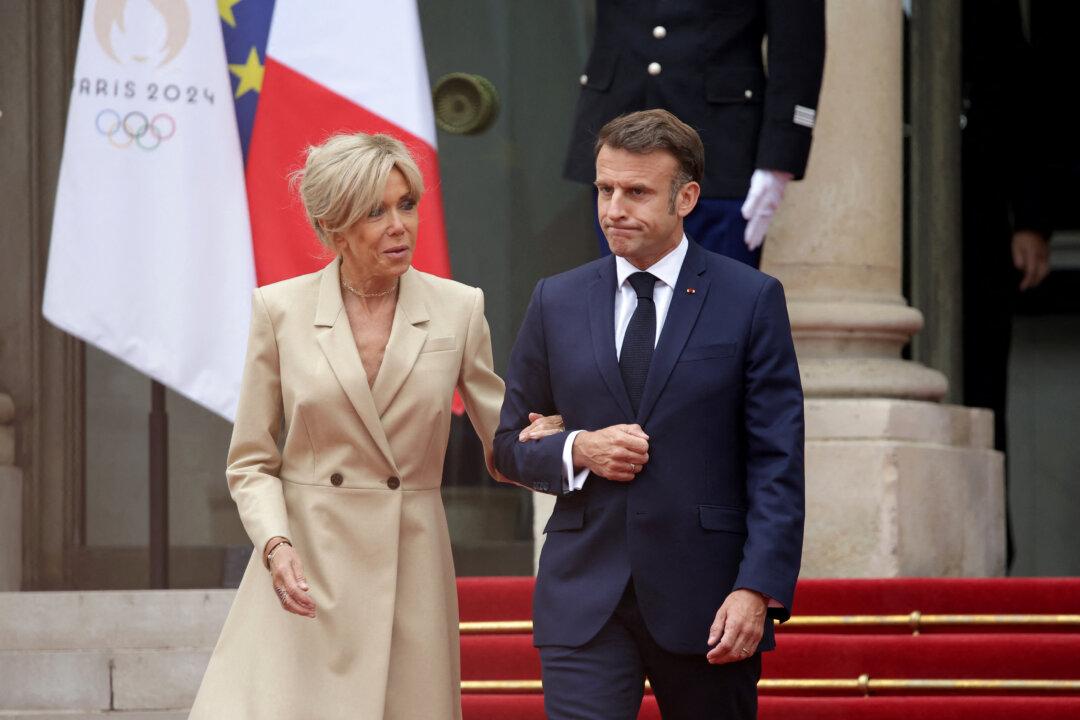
274 549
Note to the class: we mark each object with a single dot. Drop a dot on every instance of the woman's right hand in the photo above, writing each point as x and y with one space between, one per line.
290 585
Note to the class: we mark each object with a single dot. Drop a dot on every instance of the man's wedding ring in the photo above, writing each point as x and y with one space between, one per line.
745 651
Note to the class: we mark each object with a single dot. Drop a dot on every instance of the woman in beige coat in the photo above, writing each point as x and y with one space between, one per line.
348 607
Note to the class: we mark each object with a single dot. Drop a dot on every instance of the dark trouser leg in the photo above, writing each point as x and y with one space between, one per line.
687 687
990 290
601 680
717 224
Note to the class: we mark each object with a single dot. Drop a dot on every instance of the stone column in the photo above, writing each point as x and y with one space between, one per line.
896 483
10 501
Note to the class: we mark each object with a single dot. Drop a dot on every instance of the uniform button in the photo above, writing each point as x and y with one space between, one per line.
659 32
393 483
654 68
584 79
748 94
336 479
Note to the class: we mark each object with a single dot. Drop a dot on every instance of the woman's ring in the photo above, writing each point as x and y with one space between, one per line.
282 595
633 468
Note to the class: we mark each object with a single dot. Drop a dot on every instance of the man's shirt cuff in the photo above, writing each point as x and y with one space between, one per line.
571 481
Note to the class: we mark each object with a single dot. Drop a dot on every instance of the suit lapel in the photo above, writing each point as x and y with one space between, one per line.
681 316
407 337
336 341
602 329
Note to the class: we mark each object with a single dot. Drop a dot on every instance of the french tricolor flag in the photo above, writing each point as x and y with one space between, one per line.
328 67
186 119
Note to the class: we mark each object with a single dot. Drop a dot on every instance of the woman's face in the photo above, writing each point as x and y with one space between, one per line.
381 245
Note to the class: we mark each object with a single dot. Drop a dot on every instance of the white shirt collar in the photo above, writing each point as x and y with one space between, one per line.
666 269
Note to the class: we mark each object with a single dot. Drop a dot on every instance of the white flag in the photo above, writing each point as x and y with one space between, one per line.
151 256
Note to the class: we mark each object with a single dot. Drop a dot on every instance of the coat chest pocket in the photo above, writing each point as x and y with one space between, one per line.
438 344
707 352
723 518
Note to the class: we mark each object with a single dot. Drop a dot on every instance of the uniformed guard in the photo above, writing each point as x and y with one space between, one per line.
703 61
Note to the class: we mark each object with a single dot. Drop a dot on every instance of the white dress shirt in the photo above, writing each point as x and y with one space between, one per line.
666 270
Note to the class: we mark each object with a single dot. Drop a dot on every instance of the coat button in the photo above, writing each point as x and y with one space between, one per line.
748 94
659 32
336 479
654 68
584 79
393 483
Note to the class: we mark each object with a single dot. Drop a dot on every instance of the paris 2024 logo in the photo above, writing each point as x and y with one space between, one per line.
138 77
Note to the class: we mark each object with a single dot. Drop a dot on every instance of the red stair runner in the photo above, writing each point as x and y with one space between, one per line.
989 652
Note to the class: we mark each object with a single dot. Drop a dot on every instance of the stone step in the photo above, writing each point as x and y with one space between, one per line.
104 620
100 680
84 715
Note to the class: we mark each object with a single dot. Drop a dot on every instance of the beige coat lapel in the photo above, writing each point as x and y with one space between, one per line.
338 345
407 338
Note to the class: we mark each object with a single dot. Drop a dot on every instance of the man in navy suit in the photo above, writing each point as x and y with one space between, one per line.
677 533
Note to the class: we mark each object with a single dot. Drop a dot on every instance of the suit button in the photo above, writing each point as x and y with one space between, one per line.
393 483
584 79
748 94
336 479
659 32
654 68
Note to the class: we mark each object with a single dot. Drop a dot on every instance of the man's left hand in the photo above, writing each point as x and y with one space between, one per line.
738 627
766 192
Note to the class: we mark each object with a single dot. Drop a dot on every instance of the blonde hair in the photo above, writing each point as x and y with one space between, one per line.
344 178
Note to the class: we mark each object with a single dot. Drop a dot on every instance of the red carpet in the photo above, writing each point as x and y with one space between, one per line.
881 650
531 707
510 598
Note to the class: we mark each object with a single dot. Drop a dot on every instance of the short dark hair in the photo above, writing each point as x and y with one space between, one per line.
646 131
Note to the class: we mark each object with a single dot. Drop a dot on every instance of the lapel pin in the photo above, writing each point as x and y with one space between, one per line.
690 291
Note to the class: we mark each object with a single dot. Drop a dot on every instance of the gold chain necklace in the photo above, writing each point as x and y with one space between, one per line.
360 293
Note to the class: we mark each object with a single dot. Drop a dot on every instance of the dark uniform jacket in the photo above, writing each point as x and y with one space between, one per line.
702 60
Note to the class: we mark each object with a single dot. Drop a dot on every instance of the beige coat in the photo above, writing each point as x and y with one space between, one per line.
378 560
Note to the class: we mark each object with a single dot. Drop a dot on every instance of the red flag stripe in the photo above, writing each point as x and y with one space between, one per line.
295 112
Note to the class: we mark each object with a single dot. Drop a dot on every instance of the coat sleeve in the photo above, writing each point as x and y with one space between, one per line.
480 388
796 61
537 464
773 423
254 459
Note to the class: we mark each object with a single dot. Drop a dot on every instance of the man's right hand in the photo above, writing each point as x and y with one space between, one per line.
615 453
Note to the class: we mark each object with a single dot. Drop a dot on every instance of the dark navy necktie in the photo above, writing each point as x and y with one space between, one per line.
637 346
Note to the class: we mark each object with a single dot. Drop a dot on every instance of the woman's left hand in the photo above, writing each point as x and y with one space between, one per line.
542 426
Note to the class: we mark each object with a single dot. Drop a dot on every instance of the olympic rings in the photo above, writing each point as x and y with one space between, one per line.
135 127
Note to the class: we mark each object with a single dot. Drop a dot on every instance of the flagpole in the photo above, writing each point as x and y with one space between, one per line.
159 488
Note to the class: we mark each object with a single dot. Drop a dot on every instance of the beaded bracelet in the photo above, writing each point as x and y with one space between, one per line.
274 549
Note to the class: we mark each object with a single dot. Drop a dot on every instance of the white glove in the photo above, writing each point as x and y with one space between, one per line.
766 192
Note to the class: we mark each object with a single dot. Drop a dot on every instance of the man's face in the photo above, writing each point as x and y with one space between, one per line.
634 203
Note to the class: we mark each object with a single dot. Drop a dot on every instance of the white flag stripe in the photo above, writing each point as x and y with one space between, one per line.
385 70
151 254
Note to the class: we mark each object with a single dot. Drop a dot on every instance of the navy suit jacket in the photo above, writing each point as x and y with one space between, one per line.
719 505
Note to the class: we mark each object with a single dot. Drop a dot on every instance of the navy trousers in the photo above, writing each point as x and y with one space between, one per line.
716 224
605 678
